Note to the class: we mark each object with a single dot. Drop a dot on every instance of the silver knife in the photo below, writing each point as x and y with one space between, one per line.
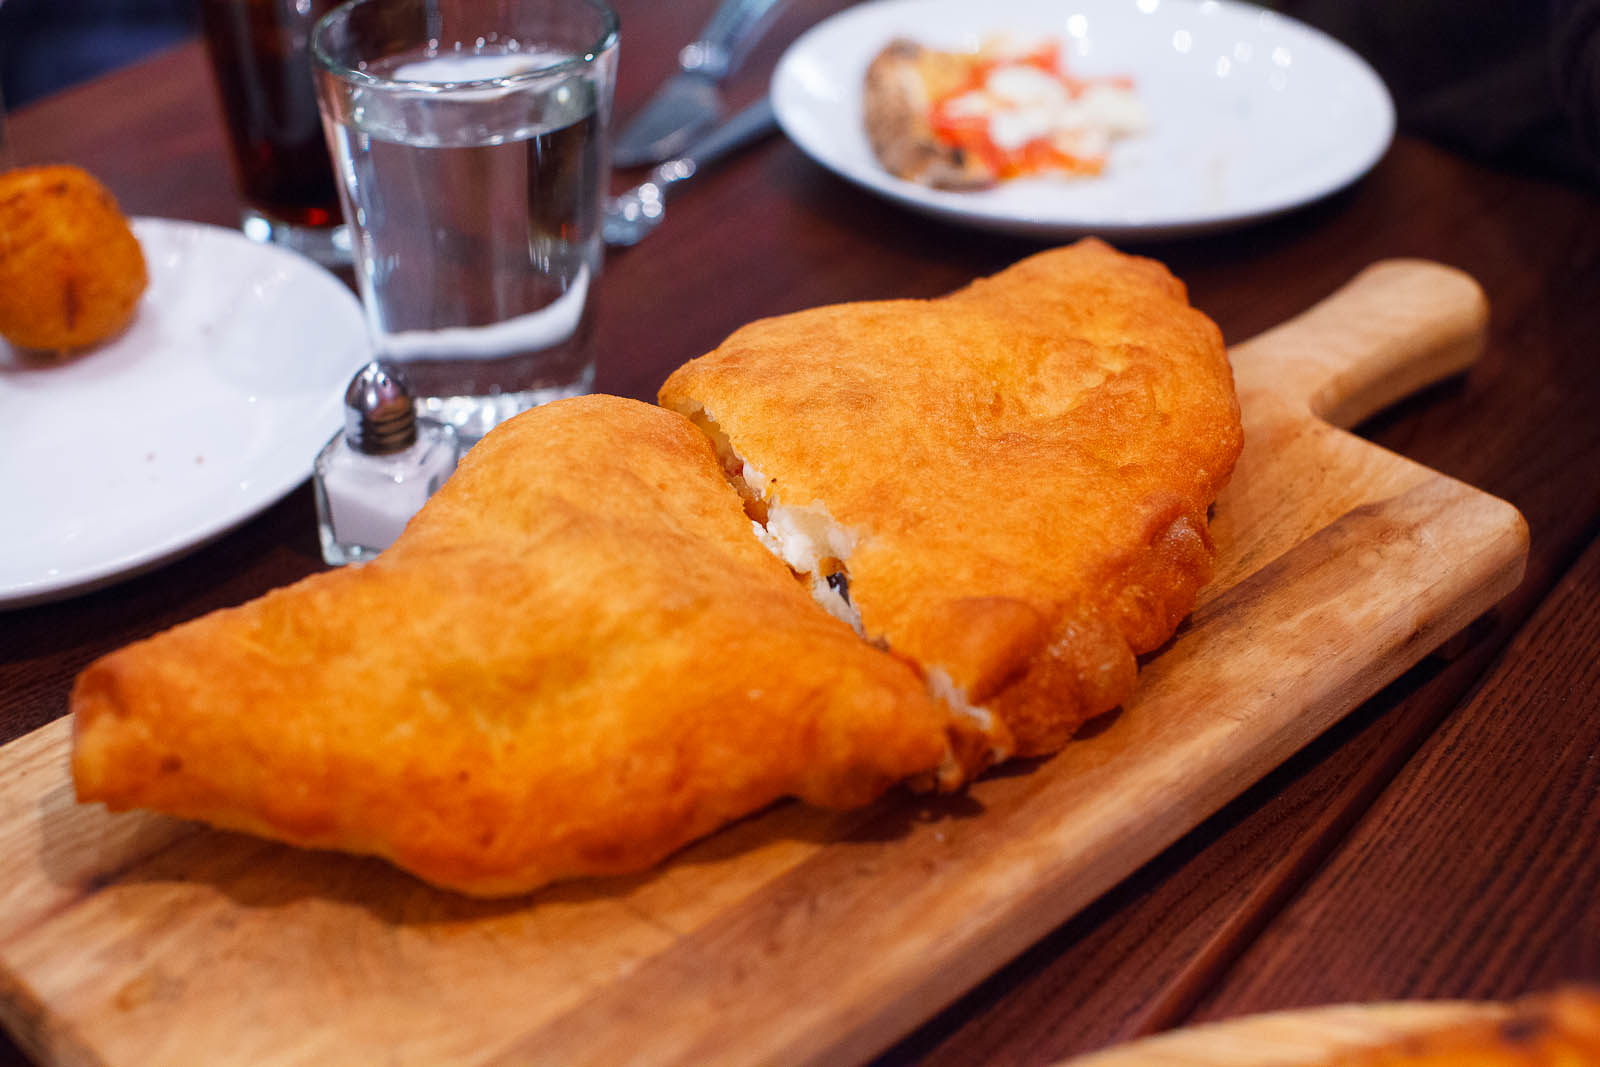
689 101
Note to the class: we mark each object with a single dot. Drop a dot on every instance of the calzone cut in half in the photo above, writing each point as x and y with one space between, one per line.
576 659
1008 485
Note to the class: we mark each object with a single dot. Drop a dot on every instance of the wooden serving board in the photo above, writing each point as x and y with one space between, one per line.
797 935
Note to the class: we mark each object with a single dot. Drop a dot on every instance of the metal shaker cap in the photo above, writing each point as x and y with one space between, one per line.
378 414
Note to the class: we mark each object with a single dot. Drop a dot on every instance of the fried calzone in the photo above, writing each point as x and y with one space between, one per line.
576 659
1008 485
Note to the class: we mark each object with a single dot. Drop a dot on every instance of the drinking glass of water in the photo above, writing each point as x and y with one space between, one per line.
470 140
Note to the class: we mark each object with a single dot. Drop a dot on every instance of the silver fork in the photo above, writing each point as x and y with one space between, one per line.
632 215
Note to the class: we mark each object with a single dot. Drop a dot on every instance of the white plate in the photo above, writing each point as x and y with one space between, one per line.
1251 113
210 407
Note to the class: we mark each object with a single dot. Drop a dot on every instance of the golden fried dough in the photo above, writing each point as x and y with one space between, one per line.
1559 1029
1010 482
71 271
576 659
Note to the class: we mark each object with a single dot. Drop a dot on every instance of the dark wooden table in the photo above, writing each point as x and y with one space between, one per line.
1443 840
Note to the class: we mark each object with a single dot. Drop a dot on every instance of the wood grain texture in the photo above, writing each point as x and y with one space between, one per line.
1490 833
1137 960
1341 565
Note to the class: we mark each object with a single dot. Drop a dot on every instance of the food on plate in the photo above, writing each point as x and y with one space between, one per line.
71 270
964 120
576 659
1008 485
1560 1029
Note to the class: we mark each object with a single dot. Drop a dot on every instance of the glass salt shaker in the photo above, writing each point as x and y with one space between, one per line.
380 469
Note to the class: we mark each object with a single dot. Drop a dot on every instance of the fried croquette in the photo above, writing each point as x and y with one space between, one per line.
576 659
1008 485
71 270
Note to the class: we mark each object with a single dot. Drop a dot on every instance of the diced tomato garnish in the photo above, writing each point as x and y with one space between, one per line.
1039 157
970 133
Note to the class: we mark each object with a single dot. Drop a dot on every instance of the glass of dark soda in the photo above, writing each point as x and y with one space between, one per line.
260 56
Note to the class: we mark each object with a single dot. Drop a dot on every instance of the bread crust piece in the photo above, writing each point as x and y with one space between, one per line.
576 659
897 99
1027 464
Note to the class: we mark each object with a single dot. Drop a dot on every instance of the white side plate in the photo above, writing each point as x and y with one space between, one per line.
1251 113
208 409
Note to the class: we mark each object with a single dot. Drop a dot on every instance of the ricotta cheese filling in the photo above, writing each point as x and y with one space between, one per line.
817 548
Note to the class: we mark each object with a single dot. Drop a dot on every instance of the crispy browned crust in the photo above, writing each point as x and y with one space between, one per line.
1560 1029
897 97
71 271
576 659
1029 462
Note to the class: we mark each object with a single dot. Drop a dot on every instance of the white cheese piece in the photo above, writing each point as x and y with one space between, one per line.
941 688
974 104
1023 104
1012 128
1114 108
754 480
809 535
1026 87
768 542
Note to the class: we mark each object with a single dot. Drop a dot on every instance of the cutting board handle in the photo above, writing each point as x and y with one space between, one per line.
1399 325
